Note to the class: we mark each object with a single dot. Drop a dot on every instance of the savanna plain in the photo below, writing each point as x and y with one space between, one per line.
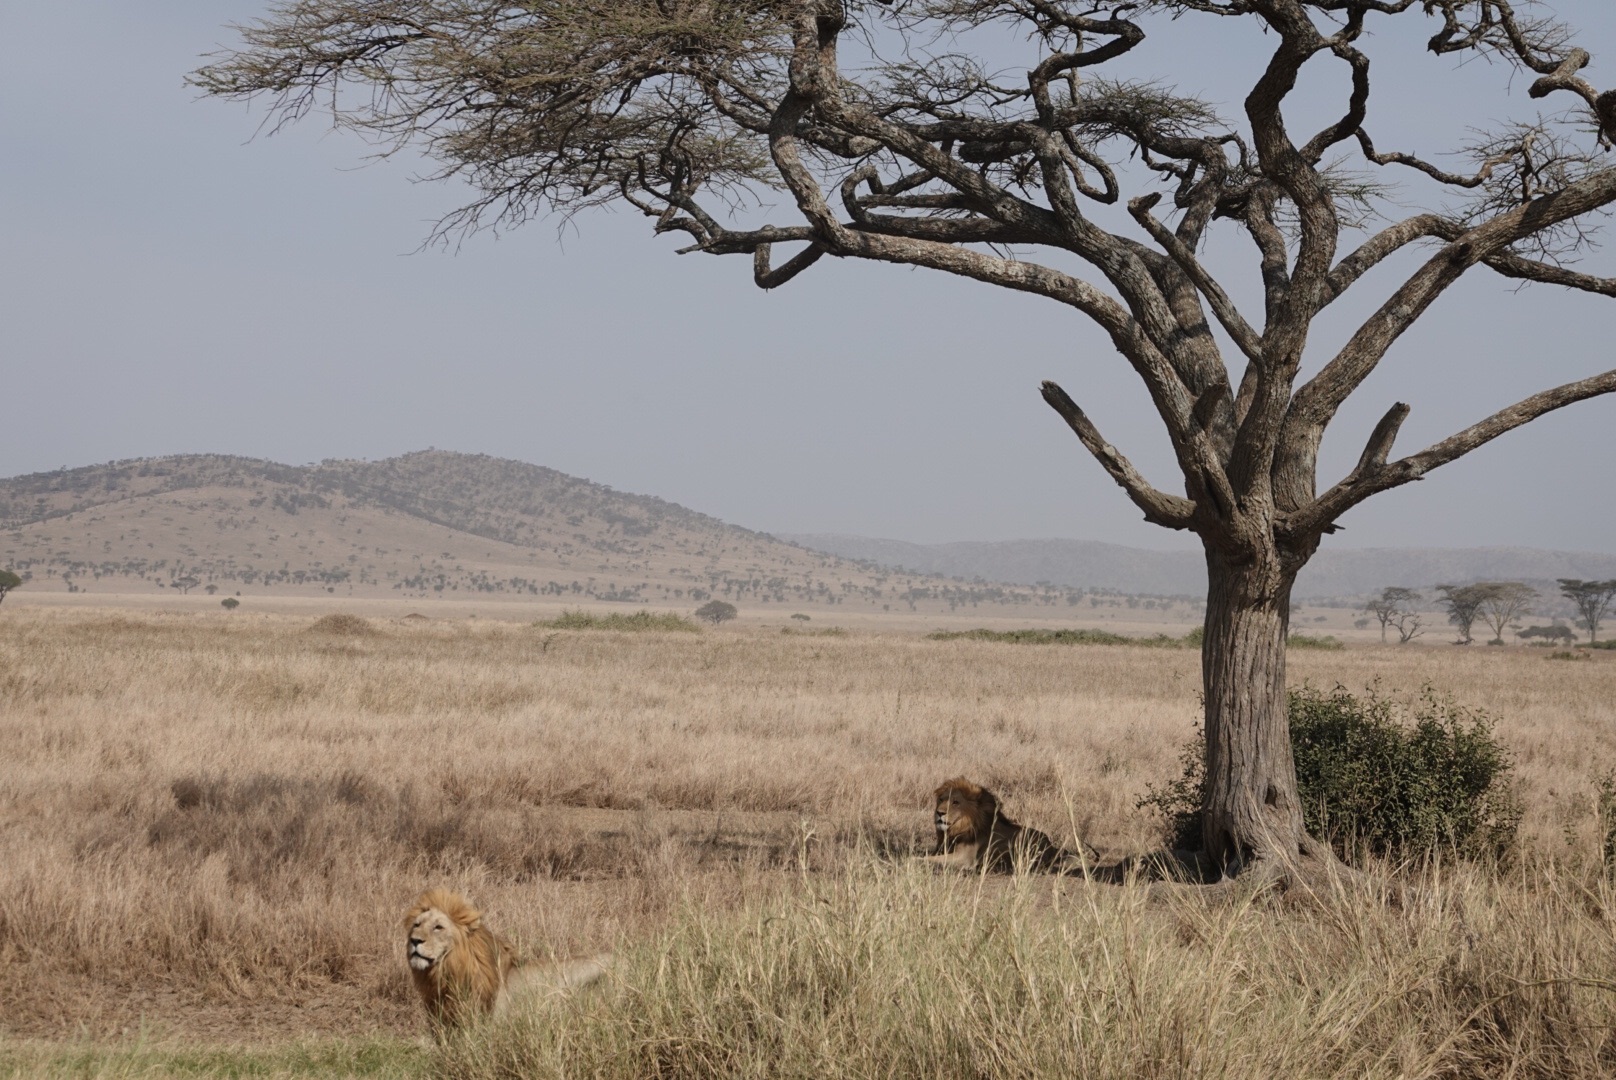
211 824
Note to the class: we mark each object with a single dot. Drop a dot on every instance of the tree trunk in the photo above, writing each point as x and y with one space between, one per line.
1252 810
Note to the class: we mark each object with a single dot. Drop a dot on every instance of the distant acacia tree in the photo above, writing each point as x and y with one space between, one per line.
230 603
1394 600
892 135
1502 602
185 584
716 611
8 581
1409 624
1592 600
1555 635
1463 604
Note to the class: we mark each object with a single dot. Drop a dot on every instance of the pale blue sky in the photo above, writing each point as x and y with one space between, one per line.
172 284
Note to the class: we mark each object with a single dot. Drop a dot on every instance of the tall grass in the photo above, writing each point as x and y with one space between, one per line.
215 821
892 971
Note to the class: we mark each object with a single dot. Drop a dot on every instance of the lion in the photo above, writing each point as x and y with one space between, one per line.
974 834
463 970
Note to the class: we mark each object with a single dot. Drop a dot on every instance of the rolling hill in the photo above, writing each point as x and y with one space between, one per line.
424 524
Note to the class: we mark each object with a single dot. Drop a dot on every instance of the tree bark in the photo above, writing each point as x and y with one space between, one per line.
1252 811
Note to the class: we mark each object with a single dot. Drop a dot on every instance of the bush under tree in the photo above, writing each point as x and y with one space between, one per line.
1374 781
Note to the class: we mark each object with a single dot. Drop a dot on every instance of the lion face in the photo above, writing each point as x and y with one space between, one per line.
432 936
961 809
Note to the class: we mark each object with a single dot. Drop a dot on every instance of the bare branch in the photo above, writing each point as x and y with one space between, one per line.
773 279
1371 478
1160 508
1222 306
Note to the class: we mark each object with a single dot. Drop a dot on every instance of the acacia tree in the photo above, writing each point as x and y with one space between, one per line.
1592 599
1463 605
8 581
683 108
1501 603
1394 602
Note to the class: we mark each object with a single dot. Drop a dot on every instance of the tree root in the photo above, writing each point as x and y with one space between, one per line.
1314 876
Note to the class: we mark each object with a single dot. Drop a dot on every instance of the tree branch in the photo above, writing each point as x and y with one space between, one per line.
1160 508
773 279
1224 308
1372 476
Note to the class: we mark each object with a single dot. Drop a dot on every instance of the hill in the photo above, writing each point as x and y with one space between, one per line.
1344 573
424 524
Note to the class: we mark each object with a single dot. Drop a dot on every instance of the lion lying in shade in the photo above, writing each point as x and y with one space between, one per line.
974 834
462 970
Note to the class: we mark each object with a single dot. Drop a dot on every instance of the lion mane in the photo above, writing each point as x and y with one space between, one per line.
463 970
973 833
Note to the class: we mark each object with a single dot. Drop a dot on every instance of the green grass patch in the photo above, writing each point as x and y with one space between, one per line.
337 1059
1069 637
1313 641
616 620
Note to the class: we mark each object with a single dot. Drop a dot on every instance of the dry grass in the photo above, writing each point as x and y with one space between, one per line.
214 822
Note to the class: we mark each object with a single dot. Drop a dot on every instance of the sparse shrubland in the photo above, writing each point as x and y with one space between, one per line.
617 620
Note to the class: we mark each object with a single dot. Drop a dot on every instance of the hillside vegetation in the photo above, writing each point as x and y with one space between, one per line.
426 524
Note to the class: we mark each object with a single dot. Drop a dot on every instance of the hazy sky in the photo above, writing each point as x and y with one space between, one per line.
172 284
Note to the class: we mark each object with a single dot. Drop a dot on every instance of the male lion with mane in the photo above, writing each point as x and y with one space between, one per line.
462 970
974 834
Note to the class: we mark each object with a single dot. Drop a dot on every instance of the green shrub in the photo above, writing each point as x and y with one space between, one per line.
1313 641
616 620
1374 781
1065 637
1608 643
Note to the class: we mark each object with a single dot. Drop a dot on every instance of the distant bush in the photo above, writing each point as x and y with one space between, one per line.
1066 637
1608 643
800 617
617 620
1313 641
230 603
341 625
1373 781
827 631
716 611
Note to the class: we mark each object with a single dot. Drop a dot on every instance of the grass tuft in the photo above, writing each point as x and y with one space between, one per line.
342 624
